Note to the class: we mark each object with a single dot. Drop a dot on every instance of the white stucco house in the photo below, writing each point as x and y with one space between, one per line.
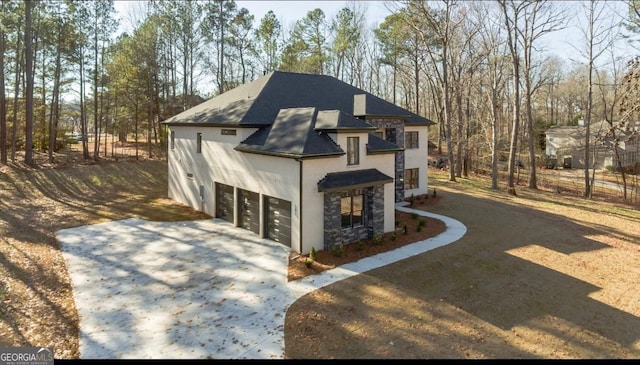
306 160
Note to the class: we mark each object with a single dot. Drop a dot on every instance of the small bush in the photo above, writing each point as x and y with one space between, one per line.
419 228
397 223
414 215
377 239
434 193
312 254
338 250
421 223
404 229
412 200
393 236
308 263
360 246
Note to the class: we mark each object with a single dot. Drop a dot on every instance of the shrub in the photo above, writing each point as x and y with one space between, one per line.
418 228
338 250
377 239
421 223
412 200
308 263
393 236
360 246
414 215
404 229
312 254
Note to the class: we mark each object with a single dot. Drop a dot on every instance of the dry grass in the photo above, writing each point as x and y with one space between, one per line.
36 302
537 275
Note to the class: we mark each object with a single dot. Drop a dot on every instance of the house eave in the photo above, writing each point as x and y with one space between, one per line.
208 124
296 156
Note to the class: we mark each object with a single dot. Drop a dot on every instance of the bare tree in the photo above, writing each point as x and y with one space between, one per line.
540 18
512 11
495 77
598 36
436 26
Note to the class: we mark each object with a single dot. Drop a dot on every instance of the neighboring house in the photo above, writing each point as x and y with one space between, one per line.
568 141
306 160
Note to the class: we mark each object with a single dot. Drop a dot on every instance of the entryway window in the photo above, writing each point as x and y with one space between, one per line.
352 210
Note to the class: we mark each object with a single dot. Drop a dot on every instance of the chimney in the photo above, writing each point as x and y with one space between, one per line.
359 105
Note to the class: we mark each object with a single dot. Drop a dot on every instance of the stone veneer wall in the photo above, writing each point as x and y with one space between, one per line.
374 219
399 127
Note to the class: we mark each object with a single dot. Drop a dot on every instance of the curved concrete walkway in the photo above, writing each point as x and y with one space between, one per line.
199 289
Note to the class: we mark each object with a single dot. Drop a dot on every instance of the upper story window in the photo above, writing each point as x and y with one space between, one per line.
228 132
411 179
411 140
379 134
173 140
353 150
199 143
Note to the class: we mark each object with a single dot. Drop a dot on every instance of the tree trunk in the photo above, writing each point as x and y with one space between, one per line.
83 113
53 116
533 184
28 147
3 98
18 74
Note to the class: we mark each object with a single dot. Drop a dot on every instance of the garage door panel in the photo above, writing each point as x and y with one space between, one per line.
224 202
249 210
278 220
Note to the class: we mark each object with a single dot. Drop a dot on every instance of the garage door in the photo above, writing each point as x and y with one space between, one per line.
249 210
278 220
224 202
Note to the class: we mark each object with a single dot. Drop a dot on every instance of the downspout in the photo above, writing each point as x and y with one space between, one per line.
300 203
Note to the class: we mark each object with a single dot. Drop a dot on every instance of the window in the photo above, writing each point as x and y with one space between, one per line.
353 150
352 210
199 143
411 179
411 140
173 140
379 134
228 132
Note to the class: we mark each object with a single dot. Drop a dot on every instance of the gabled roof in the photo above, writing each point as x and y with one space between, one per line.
259 102
291 135
303 133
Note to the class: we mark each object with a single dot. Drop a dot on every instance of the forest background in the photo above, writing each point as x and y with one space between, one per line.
488 72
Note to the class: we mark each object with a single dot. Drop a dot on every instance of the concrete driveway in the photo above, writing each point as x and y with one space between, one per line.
197 289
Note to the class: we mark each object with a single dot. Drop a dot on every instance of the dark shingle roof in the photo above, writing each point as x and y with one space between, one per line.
291 135
377 145
352 180
259 102
337 120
